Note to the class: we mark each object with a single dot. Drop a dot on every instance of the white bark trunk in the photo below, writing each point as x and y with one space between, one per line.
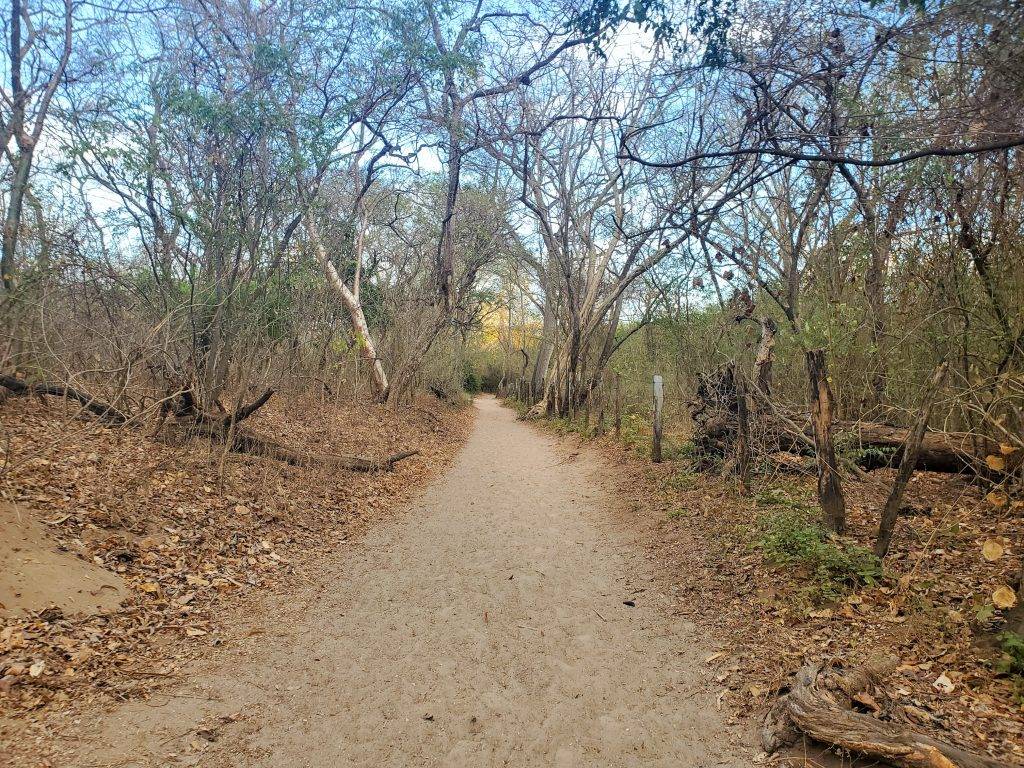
354 307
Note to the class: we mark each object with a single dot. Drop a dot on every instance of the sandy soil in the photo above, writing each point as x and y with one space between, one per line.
35 574
485 626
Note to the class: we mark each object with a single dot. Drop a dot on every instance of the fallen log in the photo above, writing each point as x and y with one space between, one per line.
246 443
103 411
939 451
220 427
820 704
873 445
225 428
256 446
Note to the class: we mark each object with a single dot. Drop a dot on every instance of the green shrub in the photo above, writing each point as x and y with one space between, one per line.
775 497
789 535
519 406
471 382
567 426
1012 645
682 480
851 451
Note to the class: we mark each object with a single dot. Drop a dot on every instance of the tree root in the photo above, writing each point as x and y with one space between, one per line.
820 705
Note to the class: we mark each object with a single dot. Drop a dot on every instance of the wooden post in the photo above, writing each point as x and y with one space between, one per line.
830 489
887 524
659 402
742 433
618 405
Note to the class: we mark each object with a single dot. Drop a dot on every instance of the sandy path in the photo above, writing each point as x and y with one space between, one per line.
484 627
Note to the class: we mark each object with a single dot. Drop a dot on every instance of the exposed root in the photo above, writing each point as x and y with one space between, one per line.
820 705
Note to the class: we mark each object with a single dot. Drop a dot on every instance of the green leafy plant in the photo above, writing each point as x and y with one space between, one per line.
1012 645
867 456
635 434
776 497
683 480
567 426
471 382
789 536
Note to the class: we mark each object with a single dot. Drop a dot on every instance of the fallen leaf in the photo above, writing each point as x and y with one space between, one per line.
995 463
918 715
943 683
997 499
992 550
1004 598
36 669
867 700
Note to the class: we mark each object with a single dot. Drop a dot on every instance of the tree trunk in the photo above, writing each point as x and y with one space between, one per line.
765 358
367 349
618 405
874 290
547 344
445 266
12 219
659 402
830 490
742 434
890 513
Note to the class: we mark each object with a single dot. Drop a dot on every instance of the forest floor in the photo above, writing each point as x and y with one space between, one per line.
504 618
542 602
751 570
125 557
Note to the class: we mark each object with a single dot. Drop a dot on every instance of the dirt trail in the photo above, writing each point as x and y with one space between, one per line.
484 627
